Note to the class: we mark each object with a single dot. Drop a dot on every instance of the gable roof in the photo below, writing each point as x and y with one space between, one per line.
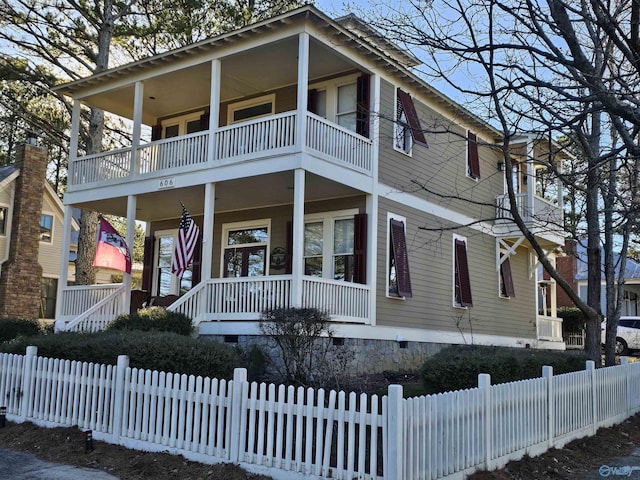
8 173
631 271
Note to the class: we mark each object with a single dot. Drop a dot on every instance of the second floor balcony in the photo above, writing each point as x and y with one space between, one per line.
232 144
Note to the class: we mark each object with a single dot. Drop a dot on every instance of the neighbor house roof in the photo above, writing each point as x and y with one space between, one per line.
631 271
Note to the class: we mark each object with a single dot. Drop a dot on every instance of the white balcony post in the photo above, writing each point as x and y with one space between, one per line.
303 86
214 112
137 127
297 269
73 142
531 182
207 230
132 202
372 200
64 264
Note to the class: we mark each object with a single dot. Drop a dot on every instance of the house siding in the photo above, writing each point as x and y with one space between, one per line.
5 201
49 253
431 269
442 167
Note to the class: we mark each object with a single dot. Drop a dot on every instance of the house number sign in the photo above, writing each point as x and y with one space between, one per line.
167 183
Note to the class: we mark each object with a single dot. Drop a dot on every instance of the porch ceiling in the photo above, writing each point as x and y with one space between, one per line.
240 194
249 73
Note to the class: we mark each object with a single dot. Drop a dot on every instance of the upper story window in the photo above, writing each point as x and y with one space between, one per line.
461 279
473 161
250 109
4 218
346 111
407 124
398 278
46 228
182 125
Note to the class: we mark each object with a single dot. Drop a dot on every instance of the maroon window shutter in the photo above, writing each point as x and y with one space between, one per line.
156 132
507 278
412 117
399 245
360 248
463 280
147 264
196 273
312 100
289 254
363 98
472 155
204 121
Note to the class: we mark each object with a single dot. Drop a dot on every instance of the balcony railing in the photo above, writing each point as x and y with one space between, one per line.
273 135
542 213
549 328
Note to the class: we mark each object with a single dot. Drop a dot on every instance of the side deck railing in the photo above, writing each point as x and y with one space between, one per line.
109 302
236 143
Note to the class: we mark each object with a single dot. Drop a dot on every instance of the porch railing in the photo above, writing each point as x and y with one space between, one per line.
273 135
542 211
348 301
549 328
96 317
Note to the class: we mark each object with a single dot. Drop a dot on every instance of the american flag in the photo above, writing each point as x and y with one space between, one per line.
187 237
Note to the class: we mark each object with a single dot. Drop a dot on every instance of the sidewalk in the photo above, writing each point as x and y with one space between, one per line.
17 465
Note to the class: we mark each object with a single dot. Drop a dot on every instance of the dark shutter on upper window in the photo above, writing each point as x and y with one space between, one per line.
312 101
289 254
360 248
363 98
204 121
196 267
462 274
156 132
399 245
147 264
472 155
507 278
412 117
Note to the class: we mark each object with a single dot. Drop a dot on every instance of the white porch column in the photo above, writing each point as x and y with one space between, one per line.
214 114
207 231
531 181
132 202
372 200
303 86
297 267
137 128
64 264
73 142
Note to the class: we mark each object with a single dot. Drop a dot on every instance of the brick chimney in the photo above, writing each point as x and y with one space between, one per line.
21 275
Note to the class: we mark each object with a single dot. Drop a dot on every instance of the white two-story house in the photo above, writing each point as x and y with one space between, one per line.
322 173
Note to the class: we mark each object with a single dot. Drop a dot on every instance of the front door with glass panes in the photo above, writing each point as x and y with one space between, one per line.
328 245
165 283
245 251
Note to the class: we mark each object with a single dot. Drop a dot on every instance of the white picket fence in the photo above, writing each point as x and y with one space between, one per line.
296 433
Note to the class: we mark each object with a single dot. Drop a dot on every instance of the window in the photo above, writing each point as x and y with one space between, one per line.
398 278
407 128
346 112
473 161
183 125
46 227
245 249
165 282
505 278
330 245
253 108
462 282
4 218
48 295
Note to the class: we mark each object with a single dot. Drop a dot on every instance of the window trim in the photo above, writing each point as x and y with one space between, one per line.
472 156
252 102
390 244
258 223
53 221
175 283
328 231
468 301
5 207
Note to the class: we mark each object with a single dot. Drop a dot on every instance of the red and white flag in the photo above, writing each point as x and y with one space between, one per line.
112 250
188 233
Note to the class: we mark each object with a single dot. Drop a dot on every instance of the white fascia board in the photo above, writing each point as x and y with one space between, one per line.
412 201
378 332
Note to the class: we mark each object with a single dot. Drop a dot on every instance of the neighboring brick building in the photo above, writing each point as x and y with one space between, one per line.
567 266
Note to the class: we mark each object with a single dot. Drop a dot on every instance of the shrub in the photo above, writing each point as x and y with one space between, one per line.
11 328
162 351
572 319
156 319
457 368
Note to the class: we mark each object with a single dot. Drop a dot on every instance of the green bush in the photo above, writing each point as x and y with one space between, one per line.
457 368
162 351
11 328
156 319
572 319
